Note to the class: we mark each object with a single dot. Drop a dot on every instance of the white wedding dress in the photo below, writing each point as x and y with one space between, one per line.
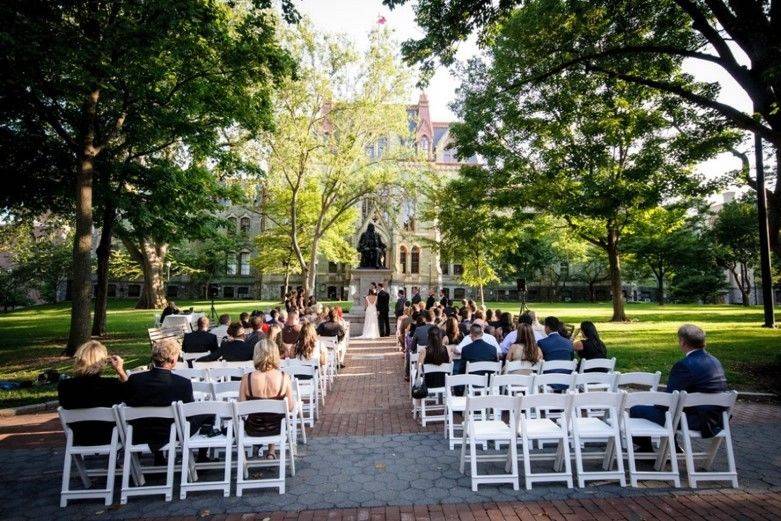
371 327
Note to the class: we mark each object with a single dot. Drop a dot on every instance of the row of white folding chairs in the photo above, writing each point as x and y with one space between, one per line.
575 427
180 439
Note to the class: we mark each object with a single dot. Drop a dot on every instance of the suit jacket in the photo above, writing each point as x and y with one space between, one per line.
254 337
556 347
84 392
199 342
383 302
700 372
430 301
477 351
231 351
400 305
416 298
155 388
443 302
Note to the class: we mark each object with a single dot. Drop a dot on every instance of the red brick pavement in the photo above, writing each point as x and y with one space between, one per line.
710 505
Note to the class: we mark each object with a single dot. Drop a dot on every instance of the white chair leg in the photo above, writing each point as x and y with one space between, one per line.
473 462
282 464
185 472
112 472
730 455
125 476
66 477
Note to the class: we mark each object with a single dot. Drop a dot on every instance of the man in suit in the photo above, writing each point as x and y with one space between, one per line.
170 309
200 340
477 350
416 298
442 298
401 303
431 300
158 387
697 372
554 346
383 308
234 349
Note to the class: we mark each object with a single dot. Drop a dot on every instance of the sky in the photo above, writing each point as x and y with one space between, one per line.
356 18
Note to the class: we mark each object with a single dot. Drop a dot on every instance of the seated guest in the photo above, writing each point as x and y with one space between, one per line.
697 372
423 324
307 348
234 349
511 337
158 387
539 329
590 346
452 331
478 317
477 349
504 324
257 331
525 348
87 389
554 346
331 327
266 382
273 318
200 340
221 331
435 353
449 309
291 330
466 320
275 335
244 319
169 309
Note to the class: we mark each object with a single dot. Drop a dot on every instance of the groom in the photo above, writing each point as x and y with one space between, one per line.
383 307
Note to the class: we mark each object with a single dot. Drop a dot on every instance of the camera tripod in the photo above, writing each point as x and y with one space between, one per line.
524 307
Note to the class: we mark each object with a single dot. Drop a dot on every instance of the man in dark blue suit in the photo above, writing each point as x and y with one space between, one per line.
478 350
697 372
555 346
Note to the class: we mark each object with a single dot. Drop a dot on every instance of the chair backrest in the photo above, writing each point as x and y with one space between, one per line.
595 381
226 391
202 391
560 401
598 400
239 365
543 381
471 381
212 408
559 365
438 368
521 365
92 414
191 374
208 365
191 356
473 367
298 369
669 400
329 342
219 374
638 379
597 363
242 409
511 383
726 399
497 403
413 357
167 412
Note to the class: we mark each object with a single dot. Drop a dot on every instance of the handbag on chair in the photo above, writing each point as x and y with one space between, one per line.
420 389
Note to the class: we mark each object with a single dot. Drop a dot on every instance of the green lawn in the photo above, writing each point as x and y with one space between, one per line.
32 339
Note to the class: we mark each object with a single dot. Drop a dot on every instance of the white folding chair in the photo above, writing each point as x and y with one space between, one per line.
125 416
592 382
242 366
202 391
209 365
194 441
641 427
520 367
196 375
225 391
483 367
413 375
435 401
589 429
726 400
482 430
457 404
225 374
649 381
246 443
74 454
511 384
189 357
559 365
609 364
533 428
296 416
330 344
307 388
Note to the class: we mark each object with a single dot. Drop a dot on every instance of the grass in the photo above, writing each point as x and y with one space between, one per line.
32 339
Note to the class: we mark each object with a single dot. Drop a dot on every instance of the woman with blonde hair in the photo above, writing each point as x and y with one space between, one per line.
274 335
87 388
266 382
525 348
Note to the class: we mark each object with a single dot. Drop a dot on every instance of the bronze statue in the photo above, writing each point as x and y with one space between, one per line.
371 248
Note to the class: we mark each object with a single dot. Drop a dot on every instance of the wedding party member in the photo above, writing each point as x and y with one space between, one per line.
221 331
200 340
266 382
443 300
697 372
371 328
169 309
88 389
383 308
416 298
554 346
525 348
401 304
431 300
234 349
590 346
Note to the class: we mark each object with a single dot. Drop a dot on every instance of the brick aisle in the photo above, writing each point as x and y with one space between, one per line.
370 396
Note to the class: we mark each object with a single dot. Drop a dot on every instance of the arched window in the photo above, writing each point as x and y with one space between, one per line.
244 263
424 144
244 226
415 260
232 266
403 259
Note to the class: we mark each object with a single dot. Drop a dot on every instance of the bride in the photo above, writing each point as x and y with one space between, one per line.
371 328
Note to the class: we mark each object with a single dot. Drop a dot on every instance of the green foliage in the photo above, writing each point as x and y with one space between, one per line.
122 267
734 230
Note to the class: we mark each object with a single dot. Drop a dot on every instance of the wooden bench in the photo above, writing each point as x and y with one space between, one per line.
156 334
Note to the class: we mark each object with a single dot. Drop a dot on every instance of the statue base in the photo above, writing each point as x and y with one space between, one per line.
360 282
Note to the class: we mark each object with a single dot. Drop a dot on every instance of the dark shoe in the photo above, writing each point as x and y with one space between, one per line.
341 366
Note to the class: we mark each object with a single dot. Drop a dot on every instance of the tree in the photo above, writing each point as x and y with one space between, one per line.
737 244
101 82
661 239
340 103
593 270
595 153
202 261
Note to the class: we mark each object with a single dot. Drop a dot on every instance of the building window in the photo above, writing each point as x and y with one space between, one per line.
408 208
458 269
134 291
403 259
459 293
244 263
332 267
243 292
444 266
227 291
382 144
331 293
231 267
244 226
424 144
111 291
415 260
370 151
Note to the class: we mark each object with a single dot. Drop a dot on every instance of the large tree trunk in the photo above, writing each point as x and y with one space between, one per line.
153 255
616 287
745 286
104 257
660 287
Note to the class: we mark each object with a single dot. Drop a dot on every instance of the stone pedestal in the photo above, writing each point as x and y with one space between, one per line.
360 282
